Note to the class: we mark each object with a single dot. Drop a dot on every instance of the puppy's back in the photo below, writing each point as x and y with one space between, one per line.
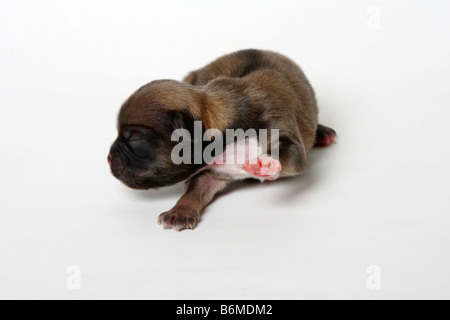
241 63
250 65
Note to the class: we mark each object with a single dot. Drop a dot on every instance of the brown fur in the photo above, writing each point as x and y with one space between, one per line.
246 89
275 82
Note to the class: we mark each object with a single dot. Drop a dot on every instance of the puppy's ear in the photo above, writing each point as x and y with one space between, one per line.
181 120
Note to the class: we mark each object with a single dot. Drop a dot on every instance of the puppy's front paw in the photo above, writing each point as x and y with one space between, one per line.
179 218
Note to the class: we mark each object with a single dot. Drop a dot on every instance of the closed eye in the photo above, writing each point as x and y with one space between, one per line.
136 136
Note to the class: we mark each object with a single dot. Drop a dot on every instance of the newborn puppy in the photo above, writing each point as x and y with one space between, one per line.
248 89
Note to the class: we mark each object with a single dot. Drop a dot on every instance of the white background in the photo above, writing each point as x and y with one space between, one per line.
379 197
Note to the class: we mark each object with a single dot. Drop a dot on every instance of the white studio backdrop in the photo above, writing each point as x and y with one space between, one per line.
369 220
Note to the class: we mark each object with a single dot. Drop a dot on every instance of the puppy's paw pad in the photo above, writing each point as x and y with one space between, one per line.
263 167
179 219
325 137
326 141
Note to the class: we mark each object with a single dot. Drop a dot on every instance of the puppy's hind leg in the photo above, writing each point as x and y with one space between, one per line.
325 136
292 157
199 193
290 160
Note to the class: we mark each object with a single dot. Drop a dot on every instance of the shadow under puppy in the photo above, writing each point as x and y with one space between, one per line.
248 89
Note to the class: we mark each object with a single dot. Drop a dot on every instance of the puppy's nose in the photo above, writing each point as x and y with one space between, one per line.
110 159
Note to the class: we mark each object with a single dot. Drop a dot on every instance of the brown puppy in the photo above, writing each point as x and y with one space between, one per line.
249 89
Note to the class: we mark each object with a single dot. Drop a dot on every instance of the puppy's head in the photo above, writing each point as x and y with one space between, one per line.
141 155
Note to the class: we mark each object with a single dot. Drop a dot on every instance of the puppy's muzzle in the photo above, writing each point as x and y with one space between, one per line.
116 164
